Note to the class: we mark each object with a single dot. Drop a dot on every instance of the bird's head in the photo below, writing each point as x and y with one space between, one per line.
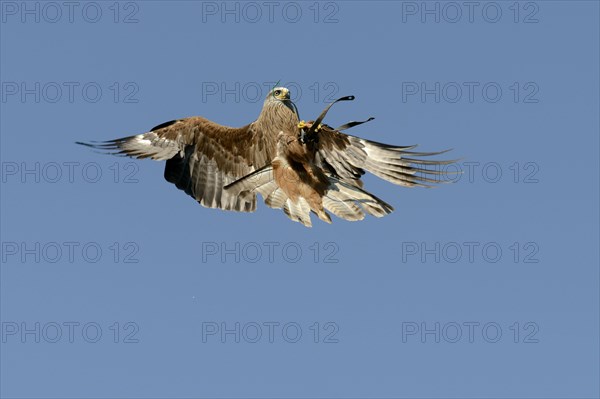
280 97
278 94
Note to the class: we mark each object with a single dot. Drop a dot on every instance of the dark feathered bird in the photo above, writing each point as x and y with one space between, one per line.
298 166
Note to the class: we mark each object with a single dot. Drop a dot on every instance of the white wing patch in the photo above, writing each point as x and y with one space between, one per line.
150 145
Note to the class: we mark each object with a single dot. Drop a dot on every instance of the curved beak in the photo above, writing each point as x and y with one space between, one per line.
290 104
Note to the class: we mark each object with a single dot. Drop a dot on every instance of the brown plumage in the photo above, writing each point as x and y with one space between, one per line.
224 167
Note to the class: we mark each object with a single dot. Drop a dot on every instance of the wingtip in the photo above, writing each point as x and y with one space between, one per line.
93 144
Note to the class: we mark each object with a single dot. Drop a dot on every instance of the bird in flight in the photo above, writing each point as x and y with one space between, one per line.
300 167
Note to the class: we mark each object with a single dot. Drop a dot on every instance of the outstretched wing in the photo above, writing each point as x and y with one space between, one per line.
202 157
348 157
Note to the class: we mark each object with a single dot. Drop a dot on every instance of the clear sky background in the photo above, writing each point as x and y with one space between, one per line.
484 288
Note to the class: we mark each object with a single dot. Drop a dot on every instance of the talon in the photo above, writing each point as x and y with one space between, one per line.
301 125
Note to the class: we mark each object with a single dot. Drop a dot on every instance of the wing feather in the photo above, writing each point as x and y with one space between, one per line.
350 156
202 157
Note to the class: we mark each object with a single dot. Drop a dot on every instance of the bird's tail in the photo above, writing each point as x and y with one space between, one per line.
350 202
344 200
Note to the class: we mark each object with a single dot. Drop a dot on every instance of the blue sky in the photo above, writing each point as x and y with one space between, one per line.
116 284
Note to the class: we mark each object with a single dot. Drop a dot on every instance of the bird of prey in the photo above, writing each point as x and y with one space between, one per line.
300 167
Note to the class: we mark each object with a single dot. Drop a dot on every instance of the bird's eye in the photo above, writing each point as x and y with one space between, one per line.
277 92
